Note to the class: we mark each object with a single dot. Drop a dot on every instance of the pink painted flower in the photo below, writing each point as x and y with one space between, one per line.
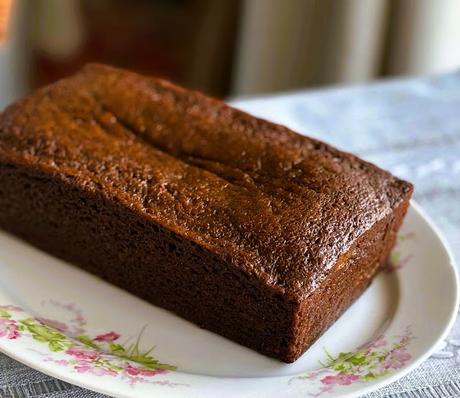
83 367
62 327
62 362
107 337
89 367
101 371
324 388
405 339
134 371
82 353
78 324
396 359
9 329
379 342
376 343
341 379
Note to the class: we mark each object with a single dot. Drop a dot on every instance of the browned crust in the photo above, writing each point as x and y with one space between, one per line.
349 279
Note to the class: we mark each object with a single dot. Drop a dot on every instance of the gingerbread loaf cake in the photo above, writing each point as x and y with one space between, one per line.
237 224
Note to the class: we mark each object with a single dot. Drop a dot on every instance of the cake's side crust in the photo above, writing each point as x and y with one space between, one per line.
109 240
348 280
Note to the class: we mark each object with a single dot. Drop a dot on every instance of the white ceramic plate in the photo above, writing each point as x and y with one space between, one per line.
73 326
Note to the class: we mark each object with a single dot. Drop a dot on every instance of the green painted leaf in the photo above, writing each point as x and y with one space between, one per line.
113 367
116 348
357 359
55 346
45 331
87 341
39 338
344 355
394 257
146 361
341 367
369 376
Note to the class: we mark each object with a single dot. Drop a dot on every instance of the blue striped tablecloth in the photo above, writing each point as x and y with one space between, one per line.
411 127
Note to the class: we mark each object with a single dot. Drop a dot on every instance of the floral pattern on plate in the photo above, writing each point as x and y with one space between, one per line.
371 361
397 260
68 344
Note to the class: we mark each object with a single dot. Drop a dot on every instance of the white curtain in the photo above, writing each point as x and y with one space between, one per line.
287 44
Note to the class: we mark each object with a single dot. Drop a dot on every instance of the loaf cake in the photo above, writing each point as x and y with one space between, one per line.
237 224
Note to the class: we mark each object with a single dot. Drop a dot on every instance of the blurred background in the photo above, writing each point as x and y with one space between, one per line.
228 47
